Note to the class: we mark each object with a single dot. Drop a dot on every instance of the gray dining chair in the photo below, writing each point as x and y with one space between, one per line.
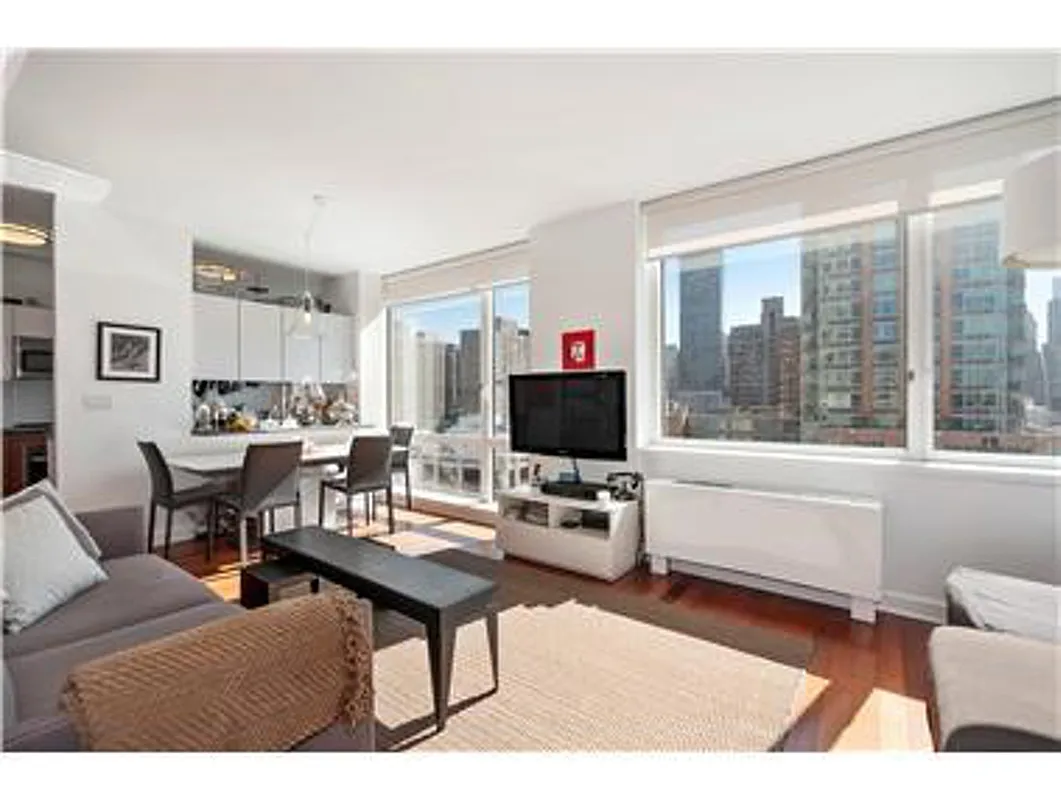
174 492
269 480
368 470
402 438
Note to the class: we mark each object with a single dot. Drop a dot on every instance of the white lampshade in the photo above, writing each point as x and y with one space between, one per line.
1031 230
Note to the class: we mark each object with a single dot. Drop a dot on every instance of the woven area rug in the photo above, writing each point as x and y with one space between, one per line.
585 667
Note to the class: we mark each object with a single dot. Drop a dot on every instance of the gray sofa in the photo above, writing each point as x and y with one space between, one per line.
144 598
995 668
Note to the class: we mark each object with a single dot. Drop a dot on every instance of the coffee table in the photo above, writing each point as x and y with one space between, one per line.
438 597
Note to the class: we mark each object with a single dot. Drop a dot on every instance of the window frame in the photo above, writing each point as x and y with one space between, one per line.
487 442
917 326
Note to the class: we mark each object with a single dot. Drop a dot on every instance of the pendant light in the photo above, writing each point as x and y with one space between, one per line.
304 325
1031 231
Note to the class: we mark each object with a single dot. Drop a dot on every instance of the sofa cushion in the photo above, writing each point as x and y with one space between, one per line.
995 602
44 564
138 588
39 676
993 691
46 490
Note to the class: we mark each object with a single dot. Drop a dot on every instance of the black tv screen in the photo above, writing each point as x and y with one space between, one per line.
576 414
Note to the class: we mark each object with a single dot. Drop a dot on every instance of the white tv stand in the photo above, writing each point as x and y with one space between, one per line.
603 542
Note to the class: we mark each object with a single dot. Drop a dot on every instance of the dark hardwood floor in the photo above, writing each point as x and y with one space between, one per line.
865 686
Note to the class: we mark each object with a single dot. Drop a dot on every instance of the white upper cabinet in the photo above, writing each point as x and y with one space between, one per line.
260 350
301 355
30 321
336 348
216 337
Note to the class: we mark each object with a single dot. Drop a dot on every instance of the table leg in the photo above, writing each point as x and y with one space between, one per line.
243 556
491 635
440 637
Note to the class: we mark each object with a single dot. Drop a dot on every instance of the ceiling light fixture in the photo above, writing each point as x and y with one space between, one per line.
1031 228
16 233
304 325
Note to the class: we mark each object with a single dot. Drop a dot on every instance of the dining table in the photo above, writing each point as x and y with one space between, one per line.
228 462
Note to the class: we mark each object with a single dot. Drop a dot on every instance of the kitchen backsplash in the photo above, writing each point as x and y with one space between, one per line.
261 400
28 401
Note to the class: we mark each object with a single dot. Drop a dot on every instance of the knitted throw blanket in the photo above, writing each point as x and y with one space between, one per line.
263 680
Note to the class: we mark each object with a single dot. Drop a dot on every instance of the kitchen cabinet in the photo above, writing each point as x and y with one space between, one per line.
216 337
301 355
32 321
260 337
336 348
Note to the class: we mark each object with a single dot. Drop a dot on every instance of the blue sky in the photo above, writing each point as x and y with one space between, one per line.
446 317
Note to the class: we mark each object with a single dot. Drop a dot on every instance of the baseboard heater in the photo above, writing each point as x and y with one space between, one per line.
825 542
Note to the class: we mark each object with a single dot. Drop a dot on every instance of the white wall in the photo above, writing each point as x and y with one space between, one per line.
581 276
585 272
371 323
114 267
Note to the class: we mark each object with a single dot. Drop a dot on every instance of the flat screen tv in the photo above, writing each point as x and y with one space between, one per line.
576 414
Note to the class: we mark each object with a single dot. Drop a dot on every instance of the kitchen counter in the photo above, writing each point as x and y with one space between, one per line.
302 429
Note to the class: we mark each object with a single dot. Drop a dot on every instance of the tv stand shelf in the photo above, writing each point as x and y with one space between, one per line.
600 538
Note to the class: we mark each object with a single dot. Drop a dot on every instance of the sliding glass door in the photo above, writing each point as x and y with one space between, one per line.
450 358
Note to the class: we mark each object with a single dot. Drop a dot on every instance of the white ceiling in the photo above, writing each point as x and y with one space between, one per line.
431 155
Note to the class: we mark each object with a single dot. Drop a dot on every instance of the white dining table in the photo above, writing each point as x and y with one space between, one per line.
315 455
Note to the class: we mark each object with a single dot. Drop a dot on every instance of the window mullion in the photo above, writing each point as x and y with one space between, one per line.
920 397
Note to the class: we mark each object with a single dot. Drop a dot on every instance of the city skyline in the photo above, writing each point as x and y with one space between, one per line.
772 269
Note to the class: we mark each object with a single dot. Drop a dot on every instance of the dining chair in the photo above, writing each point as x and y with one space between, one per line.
402 437
269 480
173 494
368 470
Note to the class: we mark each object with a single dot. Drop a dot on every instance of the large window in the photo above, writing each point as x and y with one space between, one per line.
997 340
806 339
798 339
443 353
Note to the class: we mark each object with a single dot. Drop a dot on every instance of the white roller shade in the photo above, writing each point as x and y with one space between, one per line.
466 273
906 174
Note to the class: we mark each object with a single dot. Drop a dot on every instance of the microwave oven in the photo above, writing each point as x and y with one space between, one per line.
33 357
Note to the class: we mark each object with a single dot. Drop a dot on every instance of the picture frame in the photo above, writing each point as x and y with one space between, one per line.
128 352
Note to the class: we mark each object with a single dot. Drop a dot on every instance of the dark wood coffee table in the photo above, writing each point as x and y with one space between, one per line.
439 597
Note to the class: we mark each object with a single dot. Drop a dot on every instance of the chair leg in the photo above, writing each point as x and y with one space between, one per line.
350 514
320 505
272 520
390 508
408 490
368 508
298 510
211 530
151 527
261 530
169 532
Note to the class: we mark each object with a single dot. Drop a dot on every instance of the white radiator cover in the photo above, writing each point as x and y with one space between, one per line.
825 542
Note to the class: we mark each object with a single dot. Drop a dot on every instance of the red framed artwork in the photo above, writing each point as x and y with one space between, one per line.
578 349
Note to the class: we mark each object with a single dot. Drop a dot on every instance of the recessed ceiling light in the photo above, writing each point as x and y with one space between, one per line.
23 235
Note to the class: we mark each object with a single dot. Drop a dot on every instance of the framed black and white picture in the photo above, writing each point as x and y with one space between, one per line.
128 352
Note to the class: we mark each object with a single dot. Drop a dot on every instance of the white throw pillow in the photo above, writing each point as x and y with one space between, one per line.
45 488
44 564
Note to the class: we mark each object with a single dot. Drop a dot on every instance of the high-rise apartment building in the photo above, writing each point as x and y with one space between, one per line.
700 356
747 377
852 355
469 368
1051 354
983 344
